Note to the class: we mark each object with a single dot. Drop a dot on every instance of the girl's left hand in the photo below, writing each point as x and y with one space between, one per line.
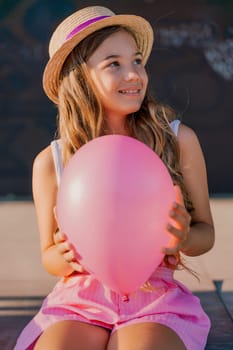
179 227
67 251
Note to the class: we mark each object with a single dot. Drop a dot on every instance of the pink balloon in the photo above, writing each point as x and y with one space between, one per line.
113 204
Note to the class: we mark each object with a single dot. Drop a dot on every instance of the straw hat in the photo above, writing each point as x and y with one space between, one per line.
77 27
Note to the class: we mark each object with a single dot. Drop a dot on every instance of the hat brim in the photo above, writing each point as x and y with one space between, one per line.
139 26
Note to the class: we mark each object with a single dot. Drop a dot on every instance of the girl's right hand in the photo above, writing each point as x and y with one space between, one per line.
65 249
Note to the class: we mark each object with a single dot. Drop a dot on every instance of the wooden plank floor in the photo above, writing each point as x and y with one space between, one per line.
221 333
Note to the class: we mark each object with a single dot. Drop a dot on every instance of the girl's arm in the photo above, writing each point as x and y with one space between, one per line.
44 186
196 233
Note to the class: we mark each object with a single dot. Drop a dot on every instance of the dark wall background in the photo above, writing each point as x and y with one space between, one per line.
191 68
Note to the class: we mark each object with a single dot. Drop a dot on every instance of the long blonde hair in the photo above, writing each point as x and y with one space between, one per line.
81 117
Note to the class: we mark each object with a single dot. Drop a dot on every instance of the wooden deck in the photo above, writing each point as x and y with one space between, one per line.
221 333
24 283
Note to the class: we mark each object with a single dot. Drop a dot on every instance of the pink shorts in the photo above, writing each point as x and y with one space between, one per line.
83 298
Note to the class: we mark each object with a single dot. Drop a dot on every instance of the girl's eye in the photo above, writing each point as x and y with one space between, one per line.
138 61
114 64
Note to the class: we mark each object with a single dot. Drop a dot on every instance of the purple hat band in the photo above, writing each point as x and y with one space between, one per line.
83 25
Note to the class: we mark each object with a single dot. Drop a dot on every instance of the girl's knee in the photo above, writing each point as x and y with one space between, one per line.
73 335
147 336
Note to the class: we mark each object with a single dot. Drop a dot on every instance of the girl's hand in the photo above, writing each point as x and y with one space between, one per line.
179 225
65 249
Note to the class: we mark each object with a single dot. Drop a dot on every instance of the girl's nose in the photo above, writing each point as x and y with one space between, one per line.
131 75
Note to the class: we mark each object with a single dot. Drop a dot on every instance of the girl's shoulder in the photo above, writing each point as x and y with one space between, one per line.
182 131
186 134
189 144
44 185
187 138
43 162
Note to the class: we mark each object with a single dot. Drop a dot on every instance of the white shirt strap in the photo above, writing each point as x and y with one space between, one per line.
57 158
175 126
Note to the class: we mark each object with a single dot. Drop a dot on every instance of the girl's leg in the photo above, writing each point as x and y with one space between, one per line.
145 336
73 335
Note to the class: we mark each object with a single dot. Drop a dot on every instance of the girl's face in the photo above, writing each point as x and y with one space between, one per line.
118 75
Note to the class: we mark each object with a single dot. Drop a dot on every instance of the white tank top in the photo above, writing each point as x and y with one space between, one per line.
57 155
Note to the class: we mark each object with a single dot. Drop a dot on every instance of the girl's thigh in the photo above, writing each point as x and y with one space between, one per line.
73 335
145 336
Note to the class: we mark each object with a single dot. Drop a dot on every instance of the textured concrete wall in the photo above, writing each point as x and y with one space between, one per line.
191 68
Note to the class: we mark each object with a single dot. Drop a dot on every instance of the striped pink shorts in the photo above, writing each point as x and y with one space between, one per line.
83 298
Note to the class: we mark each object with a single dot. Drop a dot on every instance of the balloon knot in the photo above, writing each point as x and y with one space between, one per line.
125 298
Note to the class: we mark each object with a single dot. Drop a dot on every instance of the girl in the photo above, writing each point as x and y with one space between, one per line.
96 76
